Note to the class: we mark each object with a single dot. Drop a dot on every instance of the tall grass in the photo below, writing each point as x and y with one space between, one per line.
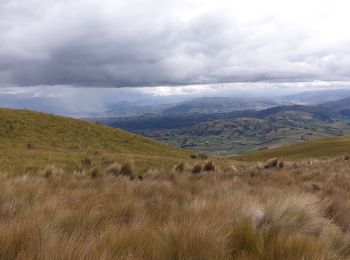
273 214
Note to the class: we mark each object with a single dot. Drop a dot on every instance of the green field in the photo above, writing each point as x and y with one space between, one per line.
232 137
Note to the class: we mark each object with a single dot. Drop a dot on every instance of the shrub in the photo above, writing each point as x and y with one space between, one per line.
126 169
180 167
196 169
209 166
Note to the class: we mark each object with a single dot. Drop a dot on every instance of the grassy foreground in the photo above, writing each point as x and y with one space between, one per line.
300 211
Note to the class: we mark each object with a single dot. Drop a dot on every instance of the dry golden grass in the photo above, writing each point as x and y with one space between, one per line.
300 211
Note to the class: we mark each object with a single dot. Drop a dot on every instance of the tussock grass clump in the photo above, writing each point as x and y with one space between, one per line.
29 146
196 169
280 164
299 214
274 163
180 168
202 156
290 228
316 187
51 171
126 169
209 166
94 173
245 240
86 162
114 169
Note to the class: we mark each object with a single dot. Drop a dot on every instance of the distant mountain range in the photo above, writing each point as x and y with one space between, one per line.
335 110
316 97
219 104
237 132
198 105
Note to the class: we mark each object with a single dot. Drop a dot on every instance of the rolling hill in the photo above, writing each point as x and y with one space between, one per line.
45 139
211 105
327 112
322 148
238 132
235 136
207 105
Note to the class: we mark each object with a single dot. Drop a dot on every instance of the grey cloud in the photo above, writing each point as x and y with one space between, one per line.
145 43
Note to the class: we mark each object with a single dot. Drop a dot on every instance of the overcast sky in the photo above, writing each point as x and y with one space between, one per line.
150 43
120 43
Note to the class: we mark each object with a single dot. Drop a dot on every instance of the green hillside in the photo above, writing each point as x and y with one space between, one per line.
30 140
325 147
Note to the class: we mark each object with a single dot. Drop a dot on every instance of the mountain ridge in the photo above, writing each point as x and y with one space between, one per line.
278 126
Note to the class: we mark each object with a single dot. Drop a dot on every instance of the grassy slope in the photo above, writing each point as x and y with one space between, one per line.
326 147
66 141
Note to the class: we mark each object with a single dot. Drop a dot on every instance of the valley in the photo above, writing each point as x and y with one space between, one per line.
238 132
174 130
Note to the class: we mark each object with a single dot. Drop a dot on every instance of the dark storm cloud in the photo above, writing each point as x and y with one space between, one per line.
154 43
